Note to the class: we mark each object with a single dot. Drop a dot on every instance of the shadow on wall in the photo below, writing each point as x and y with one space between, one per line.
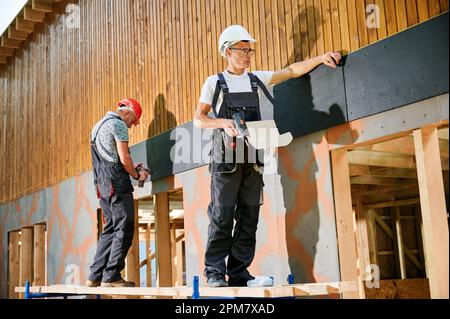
160 116
295 108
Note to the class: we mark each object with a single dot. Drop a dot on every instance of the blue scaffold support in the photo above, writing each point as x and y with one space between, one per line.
29 295
290 279
196 291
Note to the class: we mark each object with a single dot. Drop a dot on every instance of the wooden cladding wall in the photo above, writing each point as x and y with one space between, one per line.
72 71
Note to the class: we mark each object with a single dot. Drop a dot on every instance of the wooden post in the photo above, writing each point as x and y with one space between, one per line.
173 242
148 252
13 264
372 236
26 256
179 253
39 255
399 241
344 221
163 249
133 253
362 238
434 214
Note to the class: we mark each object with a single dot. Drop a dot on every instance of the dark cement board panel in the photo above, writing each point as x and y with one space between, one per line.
405 68
172 152
311 103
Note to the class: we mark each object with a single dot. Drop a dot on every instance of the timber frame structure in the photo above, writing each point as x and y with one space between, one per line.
358 205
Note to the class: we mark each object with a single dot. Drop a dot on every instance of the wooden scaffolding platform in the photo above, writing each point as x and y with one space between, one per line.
295 290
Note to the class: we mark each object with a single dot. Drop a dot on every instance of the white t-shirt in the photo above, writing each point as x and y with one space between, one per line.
239 83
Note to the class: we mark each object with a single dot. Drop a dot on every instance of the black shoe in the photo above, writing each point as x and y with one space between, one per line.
217 281
241 282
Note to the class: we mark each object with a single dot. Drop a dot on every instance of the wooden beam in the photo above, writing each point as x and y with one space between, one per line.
434 212
399 240
372 236
344 220
24 25
375 180
10 43
361 231
133 253
402 145
15 34
405 202
33 15
39 255
26 256
148 251
363 170
163 247
13 264
3 59
179 258
371 158
313 289
6 51
42 5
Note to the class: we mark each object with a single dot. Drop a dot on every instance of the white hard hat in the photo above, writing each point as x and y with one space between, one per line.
232 35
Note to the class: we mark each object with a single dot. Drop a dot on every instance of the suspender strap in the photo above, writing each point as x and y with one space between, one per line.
223 83
263 87
215 98
253 82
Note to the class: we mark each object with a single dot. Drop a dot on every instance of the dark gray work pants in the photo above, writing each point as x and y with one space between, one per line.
235 196
116 238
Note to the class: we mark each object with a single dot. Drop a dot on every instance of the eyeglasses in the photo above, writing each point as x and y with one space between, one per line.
245 51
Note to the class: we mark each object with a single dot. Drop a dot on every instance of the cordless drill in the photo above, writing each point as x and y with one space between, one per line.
140 168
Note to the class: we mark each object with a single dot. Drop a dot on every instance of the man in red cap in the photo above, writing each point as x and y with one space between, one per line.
113 166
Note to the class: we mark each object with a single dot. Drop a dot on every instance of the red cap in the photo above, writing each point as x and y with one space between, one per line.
134 105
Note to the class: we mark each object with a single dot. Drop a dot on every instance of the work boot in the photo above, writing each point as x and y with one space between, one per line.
93 283
240 282
217 281
118 283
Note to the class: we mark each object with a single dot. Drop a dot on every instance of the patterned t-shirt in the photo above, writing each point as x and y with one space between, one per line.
112 131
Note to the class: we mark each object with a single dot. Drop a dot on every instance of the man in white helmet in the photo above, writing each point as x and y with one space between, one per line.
236 184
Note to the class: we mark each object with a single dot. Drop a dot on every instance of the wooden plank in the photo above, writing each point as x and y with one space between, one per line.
24 25
391 17
405 202
352 25
3 59
33 15
344 27
434 213
372 236
15 34
434 7
411 13
179 257
364 170
13 264
381 159
148 252
374 180
422 10
42 5
39 255
400 9
344 221
399 237
133 253
163 247
312 289
363 238
26 256
10 43
6 51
